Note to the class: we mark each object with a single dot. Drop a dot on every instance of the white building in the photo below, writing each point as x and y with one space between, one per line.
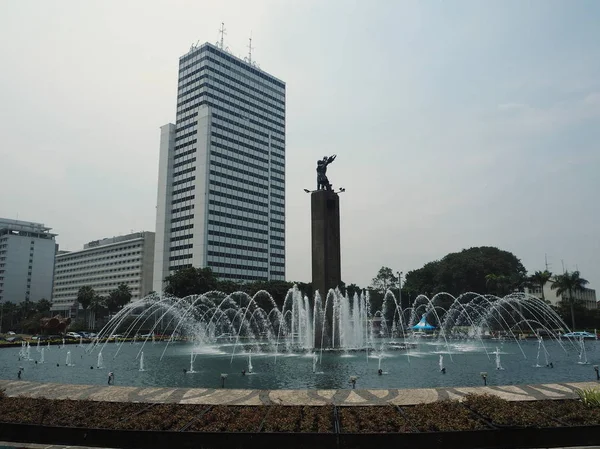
221 180
26 261
587 296
104 265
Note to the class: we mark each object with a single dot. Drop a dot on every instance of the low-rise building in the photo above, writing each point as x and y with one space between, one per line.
587 296
104 265
27 253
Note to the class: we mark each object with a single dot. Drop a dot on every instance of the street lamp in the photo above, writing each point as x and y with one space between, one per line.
400 288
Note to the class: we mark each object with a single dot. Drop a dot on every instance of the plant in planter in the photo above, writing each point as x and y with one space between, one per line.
283 419
589 396
572 413
442 416
380 419
503 413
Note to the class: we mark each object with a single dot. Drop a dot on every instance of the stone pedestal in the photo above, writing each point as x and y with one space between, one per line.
325 230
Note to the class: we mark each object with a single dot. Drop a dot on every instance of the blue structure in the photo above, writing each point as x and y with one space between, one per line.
423 325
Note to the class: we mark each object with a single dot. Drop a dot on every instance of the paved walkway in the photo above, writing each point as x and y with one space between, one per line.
226 396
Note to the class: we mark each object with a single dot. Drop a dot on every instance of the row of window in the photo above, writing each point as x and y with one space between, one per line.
184 172
182 209
94 254
183 199
234 266
242 181
238 217
183 181
249 99
250 70
236 132
253 129
182 163
183 218
237 256
249 146
242 123
90 263
220 104
212 74
246 238
231 112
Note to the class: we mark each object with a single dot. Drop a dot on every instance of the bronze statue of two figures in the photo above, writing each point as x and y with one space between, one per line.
322 181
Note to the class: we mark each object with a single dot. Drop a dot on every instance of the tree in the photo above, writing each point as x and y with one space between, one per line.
466 271
43 305
98 303
569 283
539 279
85 296
118 298
384 280
191 281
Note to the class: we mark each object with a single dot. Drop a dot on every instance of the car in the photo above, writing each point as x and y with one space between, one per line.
11 333
13 339
73 334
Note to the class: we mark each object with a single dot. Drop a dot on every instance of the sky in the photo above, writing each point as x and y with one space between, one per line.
456 124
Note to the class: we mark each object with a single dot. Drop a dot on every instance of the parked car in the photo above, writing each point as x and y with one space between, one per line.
73 334
11 333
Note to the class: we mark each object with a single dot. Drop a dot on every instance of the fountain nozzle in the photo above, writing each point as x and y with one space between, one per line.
484 375
597 372
353 381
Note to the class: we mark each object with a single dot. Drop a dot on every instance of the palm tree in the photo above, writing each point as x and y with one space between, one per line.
540 278
569 283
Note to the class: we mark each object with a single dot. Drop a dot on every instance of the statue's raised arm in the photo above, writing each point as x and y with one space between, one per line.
322 181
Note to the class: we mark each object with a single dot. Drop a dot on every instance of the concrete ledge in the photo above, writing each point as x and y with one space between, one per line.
227 396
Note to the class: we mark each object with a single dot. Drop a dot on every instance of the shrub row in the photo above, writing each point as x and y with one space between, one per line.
476 412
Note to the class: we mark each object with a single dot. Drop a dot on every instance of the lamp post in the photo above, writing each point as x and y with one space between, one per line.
400 288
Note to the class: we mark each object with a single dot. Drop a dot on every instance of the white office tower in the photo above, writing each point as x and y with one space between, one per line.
221 180
26 261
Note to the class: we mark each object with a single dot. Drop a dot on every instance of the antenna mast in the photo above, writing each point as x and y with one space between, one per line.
222 32
250 47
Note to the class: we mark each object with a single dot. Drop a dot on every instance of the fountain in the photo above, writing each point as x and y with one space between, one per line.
498 363
315 359
191 370
80 341
100 362
441 362
582 352
339 322
38 345
28 352
63 342
42 356
69 362
250 362
142 362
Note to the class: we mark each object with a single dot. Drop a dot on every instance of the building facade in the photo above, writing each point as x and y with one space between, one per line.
221 181
587 296
104 265
26 261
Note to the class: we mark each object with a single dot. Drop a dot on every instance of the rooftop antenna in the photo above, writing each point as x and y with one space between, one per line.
563 265
222 32
546 261
250 48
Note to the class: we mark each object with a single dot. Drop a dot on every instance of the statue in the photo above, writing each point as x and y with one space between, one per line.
55 324
322 181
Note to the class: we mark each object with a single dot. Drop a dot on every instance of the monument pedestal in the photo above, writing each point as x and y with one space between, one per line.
325 230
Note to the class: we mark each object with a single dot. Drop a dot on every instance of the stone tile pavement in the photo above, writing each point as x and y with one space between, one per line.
211 396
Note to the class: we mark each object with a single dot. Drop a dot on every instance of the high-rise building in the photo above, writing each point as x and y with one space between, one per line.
221 180
104 265
26 261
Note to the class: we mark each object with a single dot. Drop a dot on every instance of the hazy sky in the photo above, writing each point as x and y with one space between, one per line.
456 123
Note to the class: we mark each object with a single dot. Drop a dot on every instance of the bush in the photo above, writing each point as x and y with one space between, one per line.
590 397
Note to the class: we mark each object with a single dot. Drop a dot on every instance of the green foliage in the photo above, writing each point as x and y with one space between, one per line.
567 284
539 279
191 281
116 299
589 396
384 280
85 295
77 325
466 271
43 305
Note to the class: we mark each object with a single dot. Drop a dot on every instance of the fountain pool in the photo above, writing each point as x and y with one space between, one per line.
418 369
320 343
